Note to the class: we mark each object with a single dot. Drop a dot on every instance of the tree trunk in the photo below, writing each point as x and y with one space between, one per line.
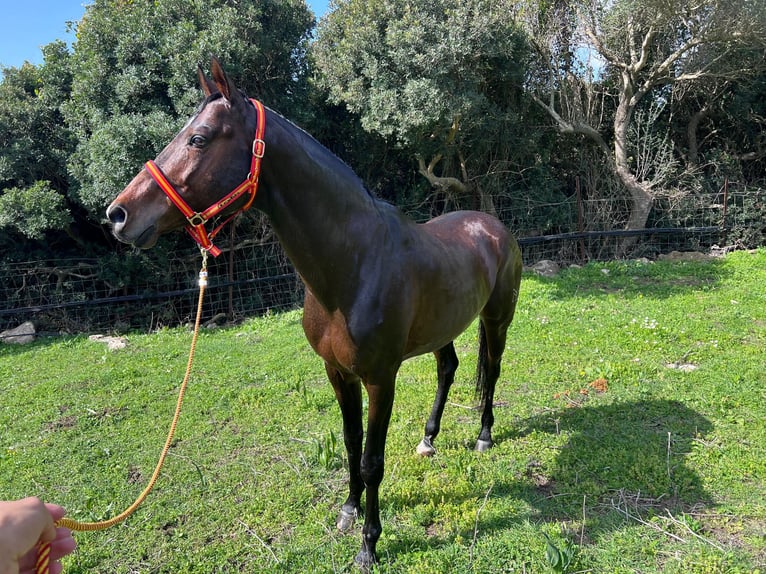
692 154
640 193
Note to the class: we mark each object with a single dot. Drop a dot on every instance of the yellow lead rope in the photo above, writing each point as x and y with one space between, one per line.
43 557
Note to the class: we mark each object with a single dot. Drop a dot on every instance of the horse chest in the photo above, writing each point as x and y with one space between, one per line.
357 346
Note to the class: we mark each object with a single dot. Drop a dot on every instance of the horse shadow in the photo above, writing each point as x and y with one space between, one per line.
638 447
619 462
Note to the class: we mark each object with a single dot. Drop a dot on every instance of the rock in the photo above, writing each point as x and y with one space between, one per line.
216 321
546 268
683 367
685 256
112 343
21 335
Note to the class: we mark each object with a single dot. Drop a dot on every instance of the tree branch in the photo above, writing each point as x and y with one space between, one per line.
636 67
566 127
439 182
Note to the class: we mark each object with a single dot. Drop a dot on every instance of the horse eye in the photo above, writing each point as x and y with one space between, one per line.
197 140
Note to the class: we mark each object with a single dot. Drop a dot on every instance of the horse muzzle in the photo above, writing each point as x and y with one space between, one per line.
118 217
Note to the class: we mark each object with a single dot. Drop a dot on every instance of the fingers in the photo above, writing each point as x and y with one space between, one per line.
26 522
63 544
57 512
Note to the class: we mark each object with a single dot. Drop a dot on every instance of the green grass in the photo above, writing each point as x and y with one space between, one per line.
664 471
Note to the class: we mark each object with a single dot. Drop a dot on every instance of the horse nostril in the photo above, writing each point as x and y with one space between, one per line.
117 215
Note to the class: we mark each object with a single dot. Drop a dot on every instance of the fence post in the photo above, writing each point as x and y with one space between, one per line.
580 225
725 208
230 312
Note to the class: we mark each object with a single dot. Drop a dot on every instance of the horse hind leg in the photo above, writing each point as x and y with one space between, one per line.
491 345
446 365
496 317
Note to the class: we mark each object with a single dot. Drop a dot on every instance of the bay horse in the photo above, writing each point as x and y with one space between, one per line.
379 287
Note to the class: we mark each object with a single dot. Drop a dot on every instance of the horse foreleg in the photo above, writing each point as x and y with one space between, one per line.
381 399
446 365
348 392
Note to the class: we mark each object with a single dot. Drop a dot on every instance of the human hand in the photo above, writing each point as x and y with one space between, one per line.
24 523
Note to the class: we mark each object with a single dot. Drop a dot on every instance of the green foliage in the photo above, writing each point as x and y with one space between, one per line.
33 141
559 559
244 488
135 63
114 153
34 147
442 80
411 68
33 210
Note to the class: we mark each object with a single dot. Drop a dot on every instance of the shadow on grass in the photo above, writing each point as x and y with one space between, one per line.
621 461
637 447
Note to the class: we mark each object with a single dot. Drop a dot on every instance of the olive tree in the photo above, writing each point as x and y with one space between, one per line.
440 78
35 145
604 61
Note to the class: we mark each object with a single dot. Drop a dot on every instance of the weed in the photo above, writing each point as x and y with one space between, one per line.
327 451
559 559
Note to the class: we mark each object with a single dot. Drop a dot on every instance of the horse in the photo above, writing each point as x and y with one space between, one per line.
379 288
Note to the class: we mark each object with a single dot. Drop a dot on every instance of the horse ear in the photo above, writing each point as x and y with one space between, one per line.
208 87
223 83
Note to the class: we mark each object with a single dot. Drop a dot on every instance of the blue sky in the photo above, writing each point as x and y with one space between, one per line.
26 25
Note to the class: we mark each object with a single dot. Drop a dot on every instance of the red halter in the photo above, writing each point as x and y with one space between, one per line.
196 219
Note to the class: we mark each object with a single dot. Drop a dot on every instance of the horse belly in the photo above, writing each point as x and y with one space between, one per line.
441 319
456 279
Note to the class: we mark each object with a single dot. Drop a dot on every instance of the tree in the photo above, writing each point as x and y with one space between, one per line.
645 48
35 145
134 75
441 78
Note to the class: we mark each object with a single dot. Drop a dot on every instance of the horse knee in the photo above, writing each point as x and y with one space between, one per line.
371 470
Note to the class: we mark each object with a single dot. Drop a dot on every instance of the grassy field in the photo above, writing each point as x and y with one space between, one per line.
630 430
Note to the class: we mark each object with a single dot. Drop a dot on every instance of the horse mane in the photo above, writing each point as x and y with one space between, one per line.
307 138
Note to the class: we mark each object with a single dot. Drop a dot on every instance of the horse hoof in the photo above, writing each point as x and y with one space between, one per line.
483 445
425 448
345 520
365 560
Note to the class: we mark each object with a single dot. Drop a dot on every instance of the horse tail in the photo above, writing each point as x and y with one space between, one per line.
482 366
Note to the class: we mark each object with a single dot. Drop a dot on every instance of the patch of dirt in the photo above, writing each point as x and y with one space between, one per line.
732 531
134 475
66 422
543 483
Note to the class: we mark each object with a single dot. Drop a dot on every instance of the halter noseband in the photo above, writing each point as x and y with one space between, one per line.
197 219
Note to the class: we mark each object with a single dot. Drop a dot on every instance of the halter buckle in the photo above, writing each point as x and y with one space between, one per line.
259 148
196 220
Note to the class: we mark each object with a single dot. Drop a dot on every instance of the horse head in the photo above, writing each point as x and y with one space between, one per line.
207 159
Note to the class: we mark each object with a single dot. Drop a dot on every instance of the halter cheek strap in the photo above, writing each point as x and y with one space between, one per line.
196 220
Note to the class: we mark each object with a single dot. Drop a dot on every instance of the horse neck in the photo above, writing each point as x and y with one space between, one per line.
323 216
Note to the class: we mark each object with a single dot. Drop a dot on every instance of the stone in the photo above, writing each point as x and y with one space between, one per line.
112 343
546 268
21 335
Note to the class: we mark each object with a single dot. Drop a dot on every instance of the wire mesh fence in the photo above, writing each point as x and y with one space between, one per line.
253 276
